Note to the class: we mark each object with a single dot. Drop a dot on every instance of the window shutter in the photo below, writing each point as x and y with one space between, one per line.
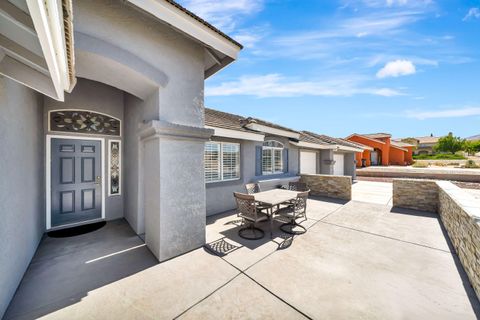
285 160
258 160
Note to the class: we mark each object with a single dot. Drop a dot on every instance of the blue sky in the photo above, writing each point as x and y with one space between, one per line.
407 67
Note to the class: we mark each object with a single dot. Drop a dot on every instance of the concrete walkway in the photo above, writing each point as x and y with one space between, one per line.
373 192
357 260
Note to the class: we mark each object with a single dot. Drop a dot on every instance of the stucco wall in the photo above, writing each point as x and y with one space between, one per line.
350 165
219 195
21 183
95 96
168 51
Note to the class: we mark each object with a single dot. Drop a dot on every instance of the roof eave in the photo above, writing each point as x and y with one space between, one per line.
187 23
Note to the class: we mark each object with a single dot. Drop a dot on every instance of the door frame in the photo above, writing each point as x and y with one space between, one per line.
48 177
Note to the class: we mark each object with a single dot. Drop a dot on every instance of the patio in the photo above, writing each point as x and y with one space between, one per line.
361 260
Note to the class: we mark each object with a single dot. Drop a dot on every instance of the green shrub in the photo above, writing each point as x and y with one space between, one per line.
471 164
439 156
417 164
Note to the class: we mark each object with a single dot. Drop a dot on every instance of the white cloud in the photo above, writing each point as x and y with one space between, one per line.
447 113
473 13
276 85
396 68
223 14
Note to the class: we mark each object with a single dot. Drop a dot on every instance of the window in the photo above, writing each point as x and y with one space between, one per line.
272 157
222 161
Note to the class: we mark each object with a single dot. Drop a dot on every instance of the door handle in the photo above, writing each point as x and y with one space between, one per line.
98 180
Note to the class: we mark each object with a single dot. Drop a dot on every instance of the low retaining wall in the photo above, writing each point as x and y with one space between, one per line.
339 187
459 212
419 173
415 194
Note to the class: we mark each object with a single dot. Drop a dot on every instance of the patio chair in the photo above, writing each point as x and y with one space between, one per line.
297 186
252 188
297 209
248 211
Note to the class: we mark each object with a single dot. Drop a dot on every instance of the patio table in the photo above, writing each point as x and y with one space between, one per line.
274 198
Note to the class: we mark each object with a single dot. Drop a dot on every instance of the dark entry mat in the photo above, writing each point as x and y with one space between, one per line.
76 231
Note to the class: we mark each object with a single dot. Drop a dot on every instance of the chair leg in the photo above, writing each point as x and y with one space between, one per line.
292 224
253 230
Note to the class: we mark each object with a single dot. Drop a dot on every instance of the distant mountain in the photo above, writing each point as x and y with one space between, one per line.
474 138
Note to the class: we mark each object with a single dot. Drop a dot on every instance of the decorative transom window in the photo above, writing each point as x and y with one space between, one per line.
272 157
222 161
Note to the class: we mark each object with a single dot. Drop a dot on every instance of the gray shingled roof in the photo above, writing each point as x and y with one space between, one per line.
269 124
219 119
205 23
312 137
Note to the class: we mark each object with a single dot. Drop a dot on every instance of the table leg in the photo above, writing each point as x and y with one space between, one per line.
271 223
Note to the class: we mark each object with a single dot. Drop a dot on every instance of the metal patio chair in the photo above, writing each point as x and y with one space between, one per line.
297 209
297 186
252 188
248 211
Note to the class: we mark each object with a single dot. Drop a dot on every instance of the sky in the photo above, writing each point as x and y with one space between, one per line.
406 67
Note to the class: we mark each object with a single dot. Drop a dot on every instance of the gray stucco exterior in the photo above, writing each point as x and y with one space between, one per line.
22 183
219 195
148 73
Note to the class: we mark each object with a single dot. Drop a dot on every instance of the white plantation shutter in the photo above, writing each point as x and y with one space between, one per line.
222 161
230 161
212 161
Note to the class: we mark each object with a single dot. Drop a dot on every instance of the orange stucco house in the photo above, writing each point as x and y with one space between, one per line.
383 151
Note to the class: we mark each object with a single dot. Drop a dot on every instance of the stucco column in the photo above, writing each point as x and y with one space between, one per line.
174 187
327 162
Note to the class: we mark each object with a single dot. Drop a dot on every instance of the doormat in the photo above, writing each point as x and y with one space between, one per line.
76 231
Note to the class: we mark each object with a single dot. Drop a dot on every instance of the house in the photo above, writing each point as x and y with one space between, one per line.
246 149
385 151
102 117
425 145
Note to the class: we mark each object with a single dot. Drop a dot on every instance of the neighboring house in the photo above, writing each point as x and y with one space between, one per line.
244 150
425 145
102 118
385 151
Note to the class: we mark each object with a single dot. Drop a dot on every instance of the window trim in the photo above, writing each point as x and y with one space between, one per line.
272 156
221 143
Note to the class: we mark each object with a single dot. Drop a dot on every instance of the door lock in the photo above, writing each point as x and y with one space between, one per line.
98 180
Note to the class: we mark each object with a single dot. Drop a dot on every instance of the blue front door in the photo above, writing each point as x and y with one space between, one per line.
76 181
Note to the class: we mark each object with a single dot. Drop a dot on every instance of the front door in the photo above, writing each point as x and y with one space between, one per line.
76 181
374 158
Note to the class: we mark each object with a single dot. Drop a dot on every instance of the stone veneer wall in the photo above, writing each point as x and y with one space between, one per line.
415 194
459 212
328 185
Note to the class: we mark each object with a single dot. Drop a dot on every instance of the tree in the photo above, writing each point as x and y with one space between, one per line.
471 147
450 144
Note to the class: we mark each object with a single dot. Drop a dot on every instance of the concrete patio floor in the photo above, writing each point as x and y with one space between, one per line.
357 260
